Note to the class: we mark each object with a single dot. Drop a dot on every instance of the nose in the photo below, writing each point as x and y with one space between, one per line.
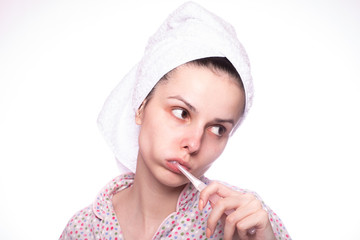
192 140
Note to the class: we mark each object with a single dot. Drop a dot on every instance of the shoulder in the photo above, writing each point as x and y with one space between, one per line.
80 226
85 224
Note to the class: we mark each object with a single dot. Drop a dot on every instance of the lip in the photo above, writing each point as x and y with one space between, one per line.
171 166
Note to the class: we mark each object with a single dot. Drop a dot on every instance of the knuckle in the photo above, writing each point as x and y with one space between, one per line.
240 227
210 221
237 193
215 184
257 204
249 196
263 214
219 205
230 220
202 194
220 202
210 224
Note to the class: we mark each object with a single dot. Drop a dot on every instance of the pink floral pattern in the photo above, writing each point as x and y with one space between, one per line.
99 221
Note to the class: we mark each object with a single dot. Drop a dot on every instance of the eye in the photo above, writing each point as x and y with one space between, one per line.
180 113
218 130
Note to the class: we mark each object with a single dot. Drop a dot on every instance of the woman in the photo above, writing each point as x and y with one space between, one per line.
179 104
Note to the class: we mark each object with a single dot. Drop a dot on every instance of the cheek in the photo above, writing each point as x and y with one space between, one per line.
211 152
155 131
213 149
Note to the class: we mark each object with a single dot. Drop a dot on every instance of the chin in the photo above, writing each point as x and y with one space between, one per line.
171 179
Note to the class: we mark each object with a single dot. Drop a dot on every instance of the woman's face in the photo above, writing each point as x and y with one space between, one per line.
188 119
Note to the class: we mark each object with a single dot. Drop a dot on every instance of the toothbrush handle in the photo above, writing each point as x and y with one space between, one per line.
214 198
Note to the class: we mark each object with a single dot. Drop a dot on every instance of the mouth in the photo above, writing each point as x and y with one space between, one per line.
171 165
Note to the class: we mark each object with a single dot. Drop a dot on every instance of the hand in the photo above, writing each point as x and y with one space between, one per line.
245 212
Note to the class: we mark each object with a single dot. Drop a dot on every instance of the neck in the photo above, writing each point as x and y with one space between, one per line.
154 199
147 202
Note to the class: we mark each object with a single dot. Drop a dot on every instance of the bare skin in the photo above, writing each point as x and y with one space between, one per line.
142 214
248 214
177 124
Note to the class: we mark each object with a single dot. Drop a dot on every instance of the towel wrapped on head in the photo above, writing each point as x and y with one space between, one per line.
189 33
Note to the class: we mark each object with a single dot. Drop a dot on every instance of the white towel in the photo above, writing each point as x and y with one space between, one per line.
190 32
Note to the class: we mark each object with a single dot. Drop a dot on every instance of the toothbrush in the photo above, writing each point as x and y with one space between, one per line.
199 185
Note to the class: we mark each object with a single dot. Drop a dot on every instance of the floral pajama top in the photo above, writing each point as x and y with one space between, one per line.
98 221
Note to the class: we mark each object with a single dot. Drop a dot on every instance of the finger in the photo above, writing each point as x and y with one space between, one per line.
216 213
215 188
238 200
225 205
241 213
229 228
220 189
221 209
246 210
257 221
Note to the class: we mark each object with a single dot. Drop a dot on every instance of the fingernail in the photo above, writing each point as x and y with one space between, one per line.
201 204
208 232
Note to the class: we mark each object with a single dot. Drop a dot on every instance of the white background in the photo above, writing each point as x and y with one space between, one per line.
298 148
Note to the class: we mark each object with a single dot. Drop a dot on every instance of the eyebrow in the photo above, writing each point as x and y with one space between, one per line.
231 121
192 108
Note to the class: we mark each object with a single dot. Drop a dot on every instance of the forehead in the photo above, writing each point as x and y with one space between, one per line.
204 87
218 68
